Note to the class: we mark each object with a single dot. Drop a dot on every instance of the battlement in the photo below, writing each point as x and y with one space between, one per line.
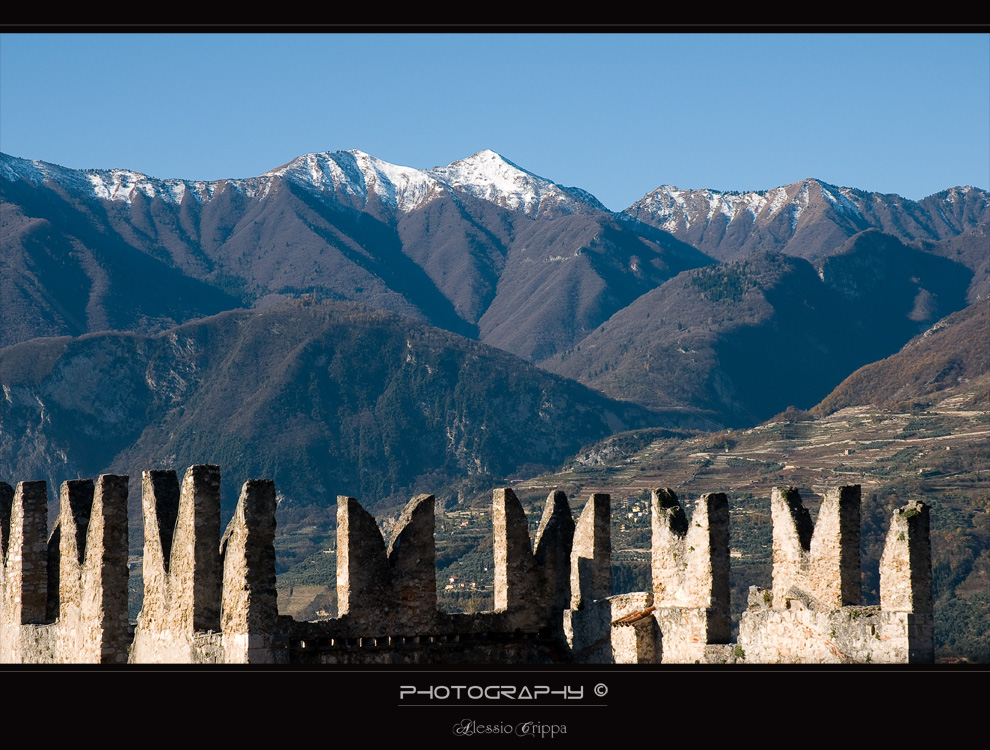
391 590
814 612
691 574
206 598
64 596
210 598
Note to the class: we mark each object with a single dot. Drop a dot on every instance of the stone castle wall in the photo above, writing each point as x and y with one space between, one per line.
210 597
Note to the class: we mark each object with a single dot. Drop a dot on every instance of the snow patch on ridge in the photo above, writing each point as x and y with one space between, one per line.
662 203
403 187
839 199
357 173
778 200
115 184
331 172
676 208
799 203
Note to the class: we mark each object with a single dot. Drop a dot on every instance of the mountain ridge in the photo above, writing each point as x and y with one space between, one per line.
442 260
484 174
325 169
487 250
789 218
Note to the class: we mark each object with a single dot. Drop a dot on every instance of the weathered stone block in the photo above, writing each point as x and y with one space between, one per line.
412 562
194 573
818 565
67 547
249 603
554 542
103 607
519 587
818 627
613 630
591 554
160 503
364 583
183 578
835 550
691 571
905 567
25 572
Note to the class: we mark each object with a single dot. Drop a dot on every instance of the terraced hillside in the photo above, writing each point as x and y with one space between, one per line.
939 454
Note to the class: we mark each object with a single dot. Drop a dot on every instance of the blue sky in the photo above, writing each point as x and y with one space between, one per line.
615 114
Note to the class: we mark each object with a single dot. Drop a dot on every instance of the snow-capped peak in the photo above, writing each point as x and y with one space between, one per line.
489 173
492 177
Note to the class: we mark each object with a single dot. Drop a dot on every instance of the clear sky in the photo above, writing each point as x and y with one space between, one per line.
615 114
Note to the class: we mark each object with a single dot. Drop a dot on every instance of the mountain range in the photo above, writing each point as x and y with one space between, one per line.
180 306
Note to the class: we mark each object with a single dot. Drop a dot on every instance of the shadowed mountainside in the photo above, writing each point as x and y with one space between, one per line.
953 352
325 399
745 339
